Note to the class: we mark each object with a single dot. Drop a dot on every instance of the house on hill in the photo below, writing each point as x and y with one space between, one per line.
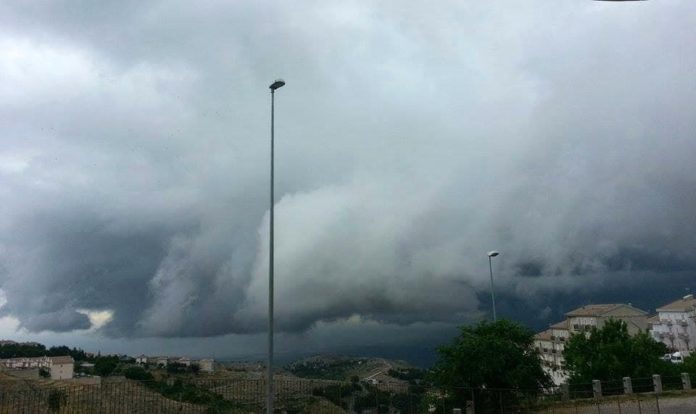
206 365
59 367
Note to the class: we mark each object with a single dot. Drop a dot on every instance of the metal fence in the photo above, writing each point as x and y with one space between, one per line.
175 395
295 395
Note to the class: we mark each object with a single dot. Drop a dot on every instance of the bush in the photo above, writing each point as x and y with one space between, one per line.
137 374
55 399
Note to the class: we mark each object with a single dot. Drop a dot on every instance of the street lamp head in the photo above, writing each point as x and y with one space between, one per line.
279 83
493 253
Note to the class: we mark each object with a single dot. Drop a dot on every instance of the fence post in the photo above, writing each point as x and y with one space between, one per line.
657 383
565 391
686 381
657 401
470 407
627 385
597 388
473 402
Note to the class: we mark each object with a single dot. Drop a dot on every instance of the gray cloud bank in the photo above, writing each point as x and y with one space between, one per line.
411 139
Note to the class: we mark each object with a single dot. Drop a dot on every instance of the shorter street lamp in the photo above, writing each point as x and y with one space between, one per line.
491 255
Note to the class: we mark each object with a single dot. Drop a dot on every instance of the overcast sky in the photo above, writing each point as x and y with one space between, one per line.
411 138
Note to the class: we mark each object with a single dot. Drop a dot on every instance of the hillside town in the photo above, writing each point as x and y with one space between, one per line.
65 367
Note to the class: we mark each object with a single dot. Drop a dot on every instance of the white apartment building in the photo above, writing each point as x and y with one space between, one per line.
550 347
551 342
674 325
584 318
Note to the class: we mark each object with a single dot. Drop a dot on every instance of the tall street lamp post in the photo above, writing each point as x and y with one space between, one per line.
491 255
269 378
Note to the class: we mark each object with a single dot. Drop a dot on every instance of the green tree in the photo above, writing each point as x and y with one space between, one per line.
689 365
498 355
610 353
105 366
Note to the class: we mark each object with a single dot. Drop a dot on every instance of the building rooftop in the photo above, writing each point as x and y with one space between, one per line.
62 360
602 309
560 325
685 304
544 335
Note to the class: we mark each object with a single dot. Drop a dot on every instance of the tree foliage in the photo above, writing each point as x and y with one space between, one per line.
137 374
689 365
29 350
104 366
610 353
490 355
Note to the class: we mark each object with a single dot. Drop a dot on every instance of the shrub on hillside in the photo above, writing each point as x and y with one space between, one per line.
137 374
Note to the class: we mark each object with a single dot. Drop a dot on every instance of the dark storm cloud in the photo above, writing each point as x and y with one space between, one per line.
133 172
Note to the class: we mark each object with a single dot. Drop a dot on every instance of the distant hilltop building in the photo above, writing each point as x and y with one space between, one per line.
674 325
60 367
207 365
551 342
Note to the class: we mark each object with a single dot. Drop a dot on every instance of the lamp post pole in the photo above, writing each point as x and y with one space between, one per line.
491 255
269 377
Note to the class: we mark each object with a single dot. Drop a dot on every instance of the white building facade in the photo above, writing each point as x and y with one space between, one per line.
675 325
550 347
551 342
206 365
61 367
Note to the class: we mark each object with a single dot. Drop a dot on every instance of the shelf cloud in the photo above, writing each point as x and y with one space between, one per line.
410 140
